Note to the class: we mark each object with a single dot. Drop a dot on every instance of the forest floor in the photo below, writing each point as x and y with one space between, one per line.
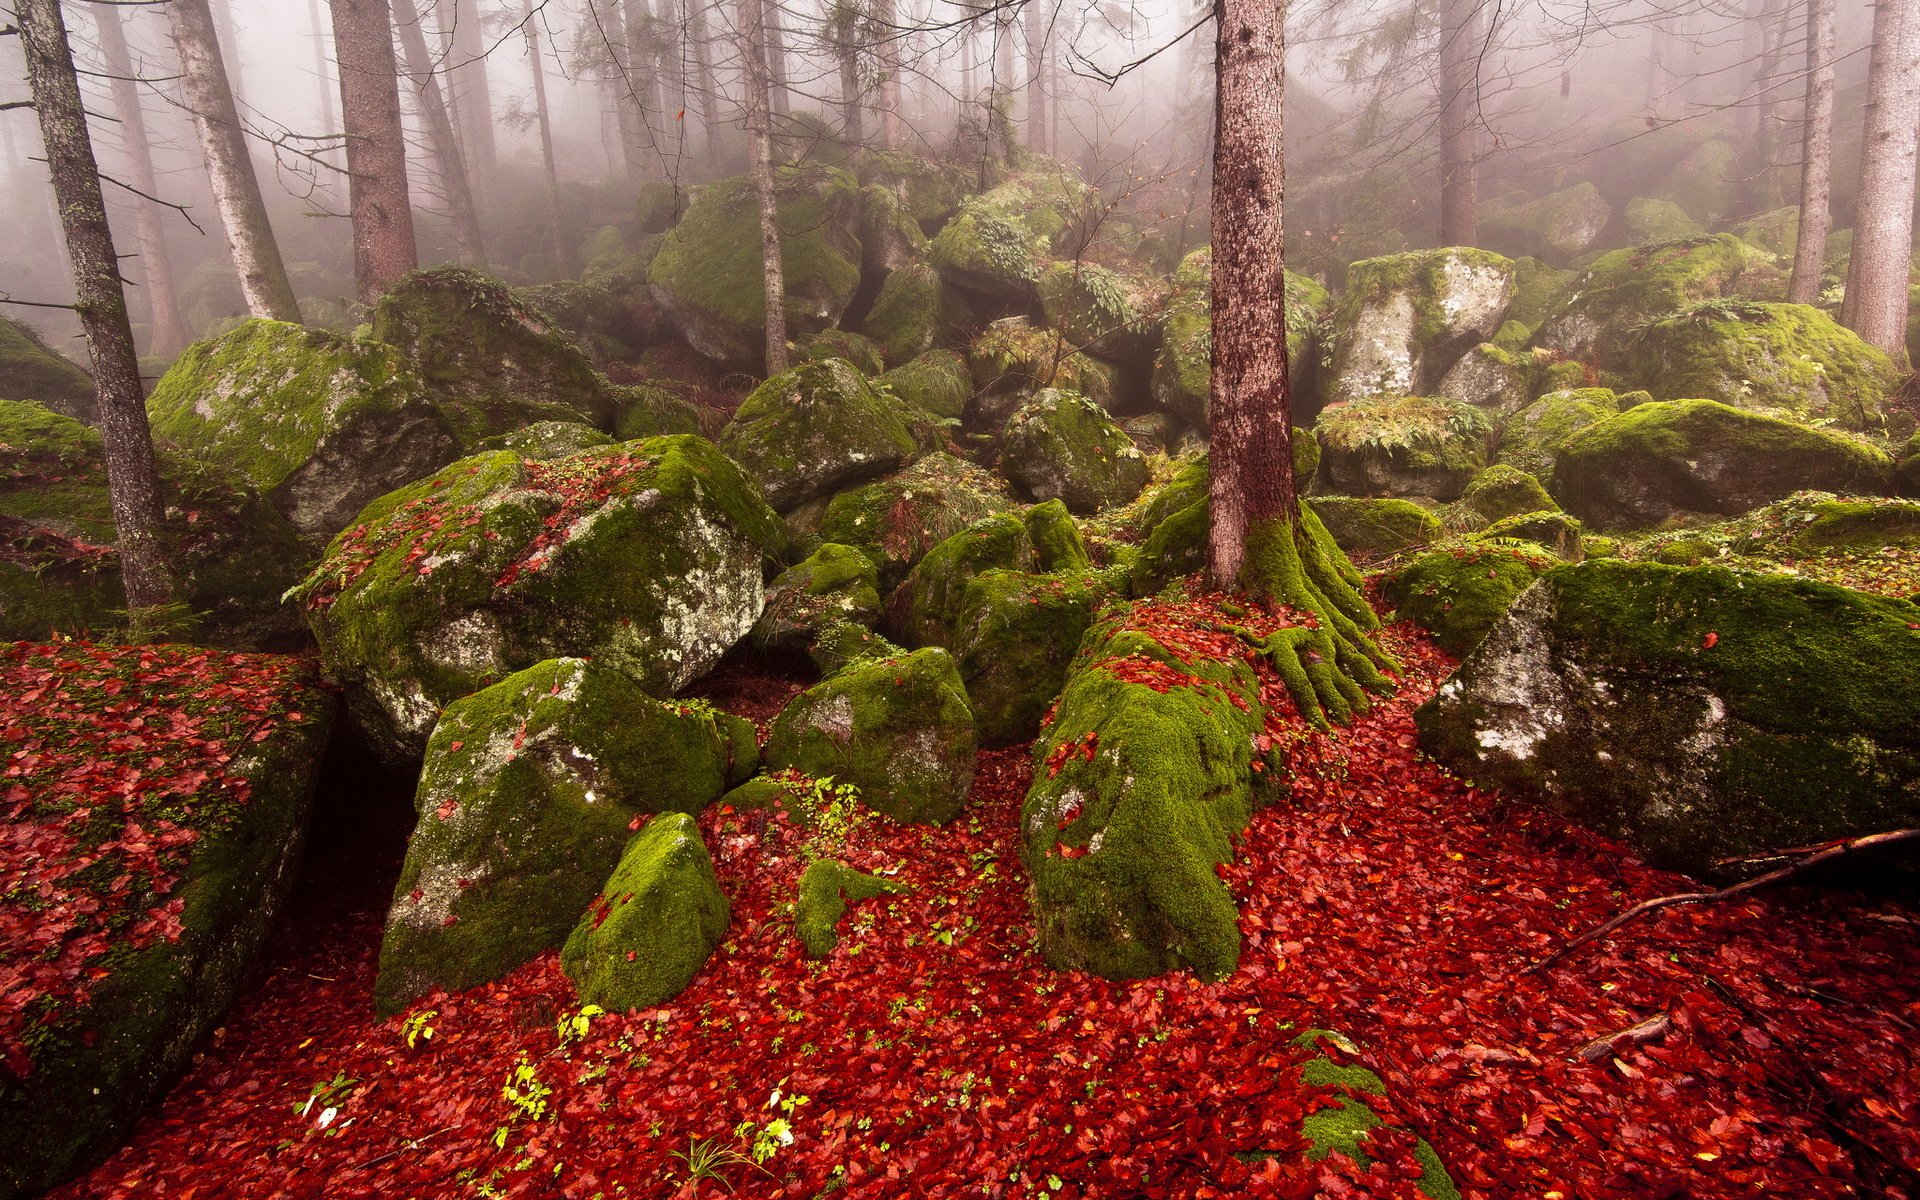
934 1054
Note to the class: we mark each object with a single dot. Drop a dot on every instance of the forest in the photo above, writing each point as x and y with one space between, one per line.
1005 598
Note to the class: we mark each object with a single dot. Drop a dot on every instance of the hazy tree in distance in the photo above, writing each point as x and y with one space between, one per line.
1462 35
610 52
382 211
1877 288
133 487
753 29
1037 19
847 35
236 189
455 185
166 332
562 251
887 99
467 84
1816 158
1261 538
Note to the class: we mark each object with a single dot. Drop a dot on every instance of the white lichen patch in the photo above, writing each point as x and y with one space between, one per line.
833 717
440 885
406 704
470 644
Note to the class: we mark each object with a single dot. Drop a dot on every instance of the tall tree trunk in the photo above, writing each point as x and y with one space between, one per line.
230 42
1816 157
753 30
846 44
1462 37
779 98
1037 18
889 98
467 86
236 189
1876 303
454 182
651 70
622 82
329 121
133 486
166 333
382 212
1768 135
562 252
705 92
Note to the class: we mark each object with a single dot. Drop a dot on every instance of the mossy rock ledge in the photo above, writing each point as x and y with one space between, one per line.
97 1069
1013 637
817 428
1137 795
1406 318
525 802
31 370
1061 445
898 728
1698 713
657 920
646 555
834 584
1593 318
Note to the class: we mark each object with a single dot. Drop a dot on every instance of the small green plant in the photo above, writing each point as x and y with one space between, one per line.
418 1027
573 1027
706 1158
525 1093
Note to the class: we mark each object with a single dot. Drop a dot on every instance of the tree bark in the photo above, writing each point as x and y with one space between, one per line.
620 80
1462 37
1037 18
648 55
382 212
236 189
133 486
562 251
752 19
329 121
888 100
703 85
1877 287
779 98
1768 133
1816 158
230 42
166 332
846 44
454 182
467 89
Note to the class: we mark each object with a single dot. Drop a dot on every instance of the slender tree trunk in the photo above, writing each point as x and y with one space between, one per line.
704 90
753 29
1461 40
236 190
1877 287
230 43
562 252
1768 136
166 333
329 122
1037 18
454 182
133 486
847 50
467 87
383 245
889 99
622 82
779 98
1816 157
649 71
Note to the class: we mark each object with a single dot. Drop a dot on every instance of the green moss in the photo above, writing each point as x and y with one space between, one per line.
1594 316
1503 491
1062 445
982 251
545 440
835 584
1374 527
1057 543
30 370
826 888
1013 637
660 916
1653 220
1323 1072
1458 594
1785 359
1553 532
928 603
858 349
643 411
1532 437
1100 310
1011 356
936 382
898 729
896 520
1708 183
913 314
816 428
1557 227
1402 445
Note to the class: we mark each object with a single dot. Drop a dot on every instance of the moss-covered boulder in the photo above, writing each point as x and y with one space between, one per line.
900 729
1710 182
1560 534
1906 471
1013 636
1140 784
597 316
857 348
936 382
525 803
1063 445
647 410
1504 491
1652 220
1182 367
1595 317
1402 446
1457 594
1103 311
817 428
1555 228
1012 358
834 584
232 555
645 555
993 247
1698 713
924 608
1490 377
1531 438
656 921
890 238
914 313
31 370
149 919
548 439
708 274
826 888
1700 456
1406 318
896 520
1787 360
491 359
1371 528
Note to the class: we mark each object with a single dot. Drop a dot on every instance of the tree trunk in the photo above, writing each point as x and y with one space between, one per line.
1768 133
752 18
562 252
623 80
383 245
454 182
166 332
1462 38
1816 158
846 17
1037 18
1877 287
236 190
647 56
703 85
888 33
779 99
133 486
467 89
230 43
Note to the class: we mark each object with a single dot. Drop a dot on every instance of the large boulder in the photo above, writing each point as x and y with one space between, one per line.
1594 318
924 608
913 313
645 555
1700 456
1709 183
1103 311
936 382
657 920
1698 713
817 428
1490 377
231 554
834 585
897 728
1402 446
993 247
1368 527
138 925
1406 318
1013 635
1457 594
896 520
1140 784
528 793
1532 437
1787 360
30 370
708 274
1556 228
1063 445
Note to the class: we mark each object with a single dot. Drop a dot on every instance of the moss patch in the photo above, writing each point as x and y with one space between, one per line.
826 888
1061 445
658 918
896 520
1402 446
31 370
1457 594
816 428
1013 636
